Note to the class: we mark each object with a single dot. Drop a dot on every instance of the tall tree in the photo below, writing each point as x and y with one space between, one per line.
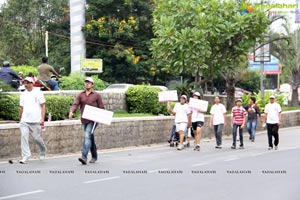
206 34
119 32
288 52
23 25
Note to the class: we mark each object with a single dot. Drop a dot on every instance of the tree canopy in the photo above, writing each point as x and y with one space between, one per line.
195 33
23 26
209 36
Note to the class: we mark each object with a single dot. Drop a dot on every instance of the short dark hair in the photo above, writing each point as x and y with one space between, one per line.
45 59
253 99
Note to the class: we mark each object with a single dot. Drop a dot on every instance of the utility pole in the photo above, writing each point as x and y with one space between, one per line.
46 43
77 20
262 68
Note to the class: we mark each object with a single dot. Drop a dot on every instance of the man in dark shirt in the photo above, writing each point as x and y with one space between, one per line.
91 98
252 110
7 75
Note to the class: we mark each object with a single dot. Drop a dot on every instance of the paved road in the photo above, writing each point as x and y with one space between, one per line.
161 172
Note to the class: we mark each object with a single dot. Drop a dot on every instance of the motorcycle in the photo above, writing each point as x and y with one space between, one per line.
44 86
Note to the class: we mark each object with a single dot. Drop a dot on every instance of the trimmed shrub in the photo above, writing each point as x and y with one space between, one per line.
9 107
4 87
58 106
144 99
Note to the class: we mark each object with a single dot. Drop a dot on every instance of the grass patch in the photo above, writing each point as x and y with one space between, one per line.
289 108
122 113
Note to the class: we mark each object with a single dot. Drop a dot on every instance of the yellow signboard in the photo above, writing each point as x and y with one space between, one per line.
92 65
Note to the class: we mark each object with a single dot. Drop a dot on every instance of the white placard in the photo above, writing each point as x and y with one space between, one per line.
166 96
198 104
97 115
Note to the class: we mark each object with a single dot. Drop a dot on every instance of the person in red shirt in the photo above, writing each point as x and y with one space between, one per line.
238 115
92 98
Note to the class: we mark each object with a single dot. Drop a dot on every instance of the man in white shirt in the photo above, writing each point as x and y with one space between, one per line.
32 114
182 114
273 119
218 119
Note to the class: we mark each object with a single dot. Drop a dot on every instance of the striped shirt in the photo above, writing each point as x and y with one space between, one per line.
238 115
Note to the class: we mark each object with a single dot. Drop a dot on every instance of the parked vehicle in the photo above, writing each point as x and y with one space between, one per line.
118 87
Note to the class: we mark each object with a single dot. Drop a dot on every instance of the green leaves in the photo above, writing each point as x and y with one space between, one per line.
199 33
144 99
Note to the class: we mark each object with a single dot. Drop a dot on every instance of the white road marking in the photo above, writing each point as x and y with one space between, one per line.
104 179
258 154
22 194
231 159
199 164
156 170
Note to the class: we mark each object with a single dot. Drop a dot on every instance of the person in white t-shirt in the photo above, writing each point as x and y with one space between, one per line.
197 122
32 114
218 119
273 119
182 114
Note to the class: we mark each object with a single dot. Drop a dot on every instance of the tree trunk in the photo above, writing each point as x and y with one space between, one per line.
212 88
230 90
295 85
295 97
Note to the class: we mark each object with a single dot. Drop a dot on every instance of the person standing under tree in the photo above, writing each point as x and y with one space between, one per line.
91 98
32 115
273 118
253 111
197 122
238 122
218 120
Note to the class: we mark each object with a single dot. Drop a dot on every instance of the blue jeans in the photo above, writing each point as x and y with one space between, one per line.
89 141
234 130
251 127
53 84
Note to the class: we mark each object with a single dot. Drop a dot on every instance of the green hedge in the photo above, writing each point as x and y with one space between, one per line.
58 106
76 82
9 107
26 69
144 99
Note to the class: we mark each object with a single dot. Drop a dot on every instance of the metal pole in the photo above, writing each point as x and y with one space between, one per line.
262 89
46 43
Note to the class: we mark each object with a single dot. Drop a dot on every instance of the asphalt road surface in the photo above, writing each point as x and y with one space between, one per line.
162 172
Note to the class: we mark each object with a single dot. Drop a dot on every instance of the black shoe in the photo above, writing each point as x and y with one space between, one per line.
82 161
233 147
218 147
197 148
242 147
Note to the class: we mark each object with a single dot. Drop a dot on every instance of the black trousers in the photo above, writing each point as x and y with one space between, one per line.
272 130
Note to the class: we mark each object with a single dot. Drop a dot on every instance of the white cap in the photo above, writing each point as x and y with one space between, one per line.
89 79
272 97
197 94
184 96
29 79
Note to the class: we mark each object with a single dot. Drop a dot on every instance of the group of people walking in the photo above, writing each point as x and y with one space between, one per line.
33 109
248 116
32 115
